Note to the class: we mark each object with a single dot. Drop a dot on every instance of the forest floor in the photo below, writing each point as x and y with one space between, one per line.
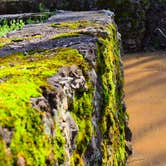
145 88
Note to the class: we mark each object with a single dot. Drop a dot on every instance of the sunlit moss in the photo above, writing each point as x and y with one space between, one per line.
4 41
5 156
113 117
17 39
75 24
82 113
21 78
65 35
59 144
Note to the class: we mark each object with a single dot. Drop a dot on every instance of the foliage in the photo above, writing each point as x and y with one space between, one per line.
15 24
10 26
42 8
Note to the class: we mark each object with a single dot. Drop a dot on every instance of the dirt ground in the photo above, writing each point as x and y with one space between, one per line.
145 88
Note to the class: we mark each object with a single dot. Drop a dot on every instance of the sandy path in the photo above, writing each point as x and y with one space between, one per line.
145 87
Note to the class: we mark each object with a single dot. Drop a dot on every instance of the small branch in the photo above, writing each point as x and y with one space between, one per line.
161 32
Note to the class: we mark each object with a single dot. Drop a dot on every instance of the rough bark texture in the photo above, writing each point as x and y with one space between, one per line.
61 93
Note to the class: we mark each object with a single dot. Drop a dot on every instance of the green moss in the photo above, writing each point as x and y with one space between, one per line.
65 35
4 41
36 37
22 77
17 39
59 146
77 28
5 156
113 117
82 113
75 24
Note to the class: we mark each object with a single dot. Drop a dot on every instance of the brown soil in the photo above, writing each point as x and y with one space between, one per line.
145 87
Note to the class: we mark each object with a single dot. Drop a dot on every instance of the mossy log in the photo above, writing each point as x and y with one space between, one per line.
61 93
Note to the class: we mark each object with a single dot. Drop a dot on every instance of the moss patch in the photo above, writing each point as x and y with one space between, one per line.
75 24
113 118
82 113
65 35
4 41
21 78
5 156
